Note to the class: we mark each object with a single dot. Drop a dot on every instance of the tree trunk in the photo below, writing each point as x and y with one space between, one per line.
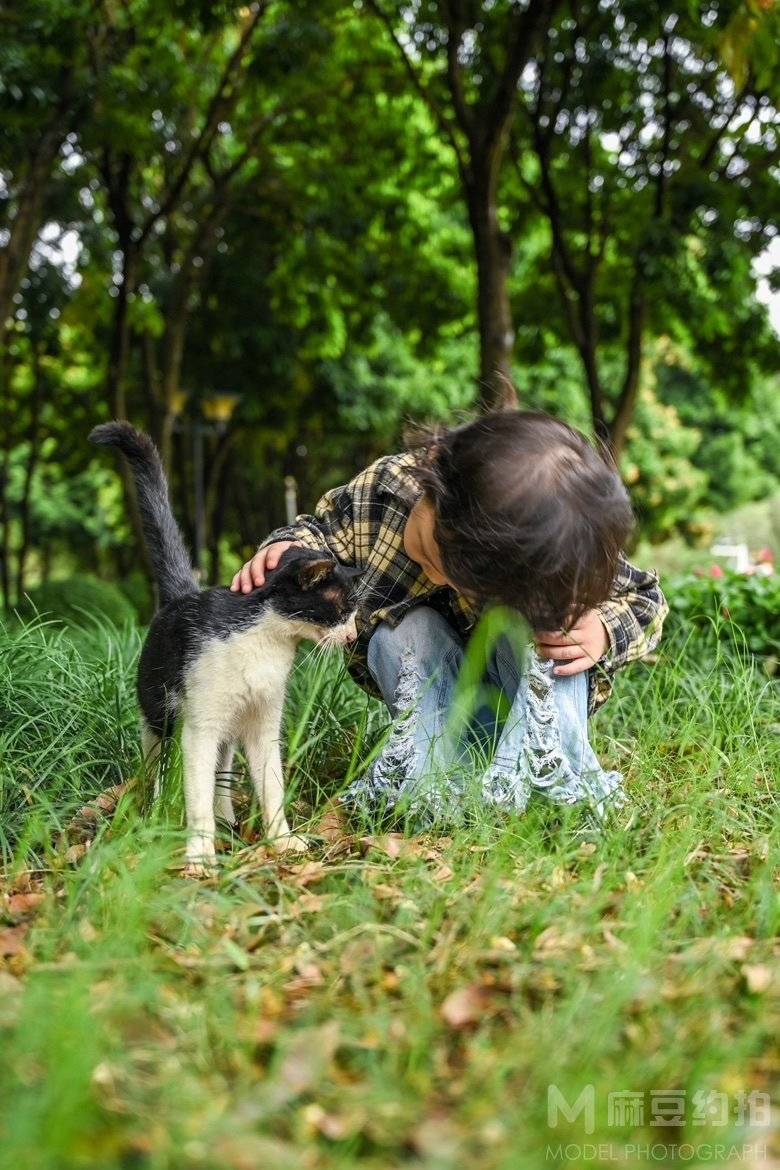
493 250
5 530
173 354
5 519
630 388
119 352
587 341
177 320
119 347
25 225
216 499
29 471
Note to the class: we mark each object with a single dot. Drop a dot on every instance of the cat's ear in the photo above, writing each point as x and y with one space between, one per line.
352 571
311 573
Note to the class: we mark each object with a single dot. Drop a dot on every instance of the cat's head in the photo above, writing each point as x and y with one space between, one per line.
319 595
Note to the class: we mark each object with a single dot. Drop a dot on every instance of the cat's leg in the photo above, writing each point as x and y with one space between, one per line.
261 740
200 749
223 803
151 744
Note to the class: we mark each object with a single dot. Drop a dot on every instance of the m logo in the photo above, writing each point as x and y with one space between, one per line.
585 1105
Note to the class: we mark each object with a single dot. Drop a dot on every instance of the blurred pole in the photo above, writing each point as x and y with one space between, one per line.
200 503
290 498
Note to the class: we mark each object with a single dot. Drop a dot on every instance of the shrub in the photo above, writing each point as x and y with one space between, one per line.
76 601
731 607
136 588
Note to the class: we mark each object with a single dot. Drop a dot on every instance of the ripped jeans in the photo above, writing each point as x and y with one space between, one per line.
541 745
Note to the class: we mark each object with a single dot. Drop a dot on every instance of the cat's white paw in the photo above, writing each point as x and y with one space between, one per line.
200 858
198 870
290 843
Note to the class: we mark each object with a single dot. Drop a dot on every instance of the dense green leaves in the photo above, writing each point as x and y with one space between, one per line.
260 199
738 610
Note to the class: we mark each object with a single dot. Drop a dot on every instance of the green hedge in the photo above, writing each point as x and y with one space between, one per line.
78 601
733 608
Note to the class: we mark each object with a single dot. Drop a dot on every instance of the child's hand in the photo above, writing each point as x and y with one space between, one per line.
579 648
254 571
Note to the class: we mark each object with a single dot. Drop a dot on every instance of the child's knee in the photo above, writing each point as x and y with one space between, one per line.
422 632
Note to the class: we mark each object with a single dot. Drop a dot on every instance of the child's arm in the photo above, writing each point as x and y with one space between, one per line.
633 616
330 529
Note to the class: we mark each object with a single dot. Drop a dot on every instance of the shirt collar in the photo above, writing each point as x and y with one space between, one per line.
399 481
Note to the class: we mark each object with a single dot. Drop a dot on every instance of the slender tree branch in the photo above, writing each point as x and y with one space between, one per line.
442 121
660 187
527 26
708 153
213 116
455 29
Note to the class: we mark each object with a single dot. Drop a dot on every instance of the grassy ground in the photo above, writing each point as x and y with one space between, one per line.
389 1001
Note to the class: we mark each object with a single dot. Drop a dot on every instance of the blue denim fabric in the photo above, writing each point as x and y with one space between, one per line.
540 745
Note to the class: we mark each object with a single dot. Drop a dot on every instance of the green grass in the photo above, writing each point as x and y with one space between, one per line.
303 1014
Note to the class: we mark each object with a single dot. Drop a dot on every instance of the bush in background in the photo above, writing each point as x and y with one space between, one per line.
730 607
77 601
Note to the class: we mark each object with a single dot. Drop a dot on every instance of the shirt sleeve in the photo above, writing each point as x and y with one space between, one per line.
330 529
633 615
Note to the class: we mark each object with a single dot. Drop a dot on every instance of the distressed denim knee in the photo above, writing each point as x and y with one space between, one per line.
422 630
414 665
423 642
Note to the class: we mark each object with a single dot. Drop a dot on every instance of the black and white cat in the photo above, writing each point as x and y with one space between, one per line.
221 660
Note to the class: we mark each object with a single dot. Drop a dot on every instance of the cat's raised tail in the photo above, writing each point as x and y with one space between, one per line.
170 560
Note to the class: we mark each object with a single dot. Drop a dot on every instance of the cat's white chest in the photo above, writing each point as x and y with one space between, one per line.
234 674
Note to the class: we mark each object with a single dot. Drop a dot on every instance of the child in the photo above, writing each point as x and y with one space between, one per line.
515 508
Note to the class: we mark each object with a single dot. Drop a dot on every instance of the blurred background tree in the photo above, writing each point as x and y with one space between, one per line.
344 215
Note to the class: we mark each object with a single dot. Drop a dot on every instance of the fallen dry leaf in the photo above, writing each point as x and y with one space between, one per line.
75 852
265 1031
437 1138
543 980
356 955
12 940
332 825
336 1127
735 947
86 930
395 845
758 977
304 873
308 904
386 893
18 904
83 825
553 941
466 1005
305 1060
107 800
500 942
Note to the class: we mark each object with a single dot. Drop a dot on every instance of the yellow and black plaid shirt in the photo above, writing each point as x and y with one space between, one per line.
362 524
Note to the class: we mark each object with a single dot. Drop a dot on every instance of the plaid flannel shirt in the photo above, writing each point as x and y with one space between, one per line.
362 524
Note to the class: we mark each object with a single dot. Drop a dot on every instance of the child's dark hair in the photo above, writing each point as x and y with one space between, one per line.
528 513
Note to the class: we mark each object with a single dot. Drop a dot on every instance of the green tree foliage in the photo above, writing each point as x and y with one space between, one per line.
270 200
648 164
